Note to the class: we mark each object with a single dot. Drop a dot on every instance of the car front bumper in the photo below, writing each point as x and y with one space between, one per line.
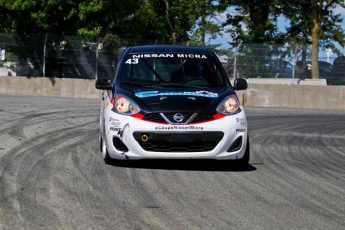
132 138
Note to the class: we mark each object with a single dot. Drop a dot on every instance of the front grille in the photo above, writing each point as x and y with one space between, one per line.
156 117
178 141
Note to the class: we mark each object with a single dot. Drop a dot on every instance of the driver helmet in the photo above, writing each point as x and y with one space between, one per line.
193 69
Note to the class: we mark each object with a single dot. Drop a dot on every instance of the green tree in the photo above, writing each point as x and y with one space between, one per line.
99 18
254 25
297 33
322 10
164 20
208 11
314 23
255 22
89 18
39 17
146 24
178 17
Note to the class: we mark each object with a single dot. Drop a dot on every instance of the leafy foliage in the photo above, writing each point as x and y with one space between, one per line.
312 22
255 22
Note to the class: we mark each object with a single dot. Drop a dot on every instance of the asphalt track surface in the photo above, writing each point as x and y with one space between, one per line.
52 175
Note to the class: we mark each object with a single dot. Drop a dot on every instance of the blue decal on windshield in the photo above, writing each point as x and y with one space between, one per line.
157 93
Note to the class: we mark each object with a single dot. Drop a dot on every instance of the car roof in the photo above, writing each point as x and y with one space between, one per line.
169 48
309 61
339 59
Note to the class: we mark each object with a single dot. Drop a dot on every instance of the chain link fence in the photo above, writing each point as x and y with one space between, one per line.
51 56
282 61
74 57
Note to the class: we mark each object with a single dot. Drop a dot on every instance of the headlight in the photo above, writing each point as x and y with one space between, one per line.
125 105
230 105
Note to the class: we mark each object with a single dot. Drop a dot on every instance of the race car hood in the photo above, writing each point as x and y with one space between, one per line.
182 100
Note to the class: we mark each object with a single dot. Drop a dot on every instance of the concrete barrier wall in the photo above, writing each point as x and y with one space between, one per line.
51 87
257 94
294 96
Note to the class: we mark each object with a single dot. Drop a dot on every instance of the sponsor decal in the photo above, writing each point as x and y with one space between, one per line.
157 93
136 56
239 119
115 129
114 121
240 130
191 56
107 104
242 121
204 92
152 55
179 127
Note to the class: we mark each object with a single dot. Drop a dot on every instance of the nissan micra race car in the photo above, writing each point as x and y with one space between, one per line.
172 102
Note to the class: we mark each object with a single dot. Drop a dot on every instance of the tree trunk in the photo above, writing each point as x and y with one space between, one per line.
304 69
172 31
315 34
203 30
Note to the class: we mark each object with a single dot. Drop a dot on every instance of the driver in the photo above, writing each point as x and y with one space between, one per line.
192 69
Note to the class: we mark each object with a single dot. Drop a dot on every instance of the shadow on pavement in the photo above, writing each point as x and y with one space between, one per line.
186 165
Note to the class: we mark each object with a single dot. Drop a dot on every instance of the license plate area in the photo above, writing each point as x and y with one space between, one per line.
177 136
178 141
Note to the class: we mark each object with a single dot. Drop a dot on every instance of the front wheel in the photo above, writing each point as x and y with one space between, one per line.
107 159
100 141
103 146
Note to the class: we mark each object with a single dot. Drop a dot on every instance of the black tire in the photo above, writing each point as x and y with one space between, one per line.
244 161
100 140
107 159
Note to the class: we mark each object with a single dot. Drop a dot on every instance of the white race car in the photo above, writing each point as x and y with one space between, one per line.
172 102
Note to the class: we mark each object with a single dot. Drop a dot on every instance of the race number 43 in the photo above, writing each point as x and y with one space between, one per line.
132 61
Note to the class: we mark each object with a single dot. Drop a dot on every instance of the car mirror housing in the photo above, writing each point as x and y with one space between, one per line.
103 83
240 84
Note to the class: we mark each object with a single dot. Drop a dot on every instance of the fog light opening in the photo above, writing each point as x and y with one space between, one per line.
119 145
236 145
144 137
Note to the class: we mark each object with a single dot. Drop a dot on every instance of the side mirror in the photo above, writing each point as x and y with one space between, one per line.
103 83
240 84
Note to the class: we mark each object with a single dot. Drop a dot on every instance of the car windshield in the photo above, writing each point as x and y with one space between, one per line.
172 70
